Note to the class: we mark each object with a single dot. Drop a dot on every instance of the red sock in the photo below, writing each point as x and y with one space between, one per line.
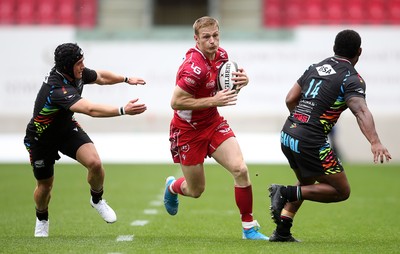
176 186
244 201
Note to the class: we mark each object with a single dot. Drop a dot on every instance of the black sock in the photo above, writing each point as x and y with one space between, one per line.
291 193
96 195
42 215
283 228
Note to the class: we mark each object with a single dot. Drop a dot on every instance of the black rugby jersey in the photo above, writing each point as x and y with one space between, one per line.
51 114
325 88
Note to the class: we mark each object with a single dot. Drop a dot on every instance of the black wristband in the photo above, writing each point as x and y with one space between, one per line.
126 79
121 111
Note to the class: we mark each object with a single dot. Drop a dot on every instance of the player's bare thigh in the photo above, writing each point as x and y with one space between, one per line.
230 156
87 155
195 180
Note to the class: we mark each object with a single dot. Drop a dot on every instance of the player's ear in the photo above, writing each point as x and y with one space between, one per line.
359 51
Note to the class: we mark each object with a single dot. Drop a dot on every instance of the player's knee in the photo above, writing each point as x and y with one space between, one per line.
240 172
45 186
343 194
94 165
196 193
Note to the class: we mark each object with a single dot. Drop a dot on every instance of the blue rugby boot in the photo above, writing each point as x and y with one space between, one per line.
252 233
170 200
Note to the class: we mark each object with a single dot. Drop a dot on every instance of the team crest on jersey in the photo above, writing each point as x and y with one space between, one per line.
210 84
325 70
185 148
64 90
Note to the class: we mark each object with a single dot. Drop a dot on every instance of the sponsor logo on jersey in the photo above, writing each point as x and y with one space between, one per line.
360 90
39 164
301 117
225 130
189 80
325 70
290 142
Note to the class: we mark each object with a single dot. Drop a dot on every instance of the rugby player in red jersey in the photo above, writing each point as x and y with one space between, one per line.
198 131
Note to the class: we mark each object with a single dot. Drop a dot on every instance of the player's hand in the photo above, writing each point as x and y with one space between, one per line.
241 79
136 81
225 97
134 108
380 153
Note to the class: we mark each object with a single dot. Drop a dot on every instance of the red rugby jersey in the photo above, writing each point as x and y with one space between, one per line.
198 76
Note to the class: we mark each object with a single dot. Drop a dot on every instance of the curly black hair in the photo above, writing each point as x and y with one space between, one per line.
347 43
65 57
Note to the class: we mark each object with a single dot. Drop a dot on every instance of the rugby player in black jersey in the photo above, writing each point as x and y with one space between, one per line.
53 128
315 103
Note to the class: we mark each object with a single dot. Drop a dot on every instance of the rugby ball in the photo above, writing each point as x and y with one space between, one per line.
225 75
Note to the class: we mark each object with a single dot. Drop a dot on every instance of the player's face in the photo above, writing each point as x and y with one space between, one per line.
78 68
208 41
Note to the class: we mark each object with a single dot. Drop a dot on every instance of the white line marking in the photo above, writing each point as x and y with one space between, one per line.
150 211
156 203
139 222
125 238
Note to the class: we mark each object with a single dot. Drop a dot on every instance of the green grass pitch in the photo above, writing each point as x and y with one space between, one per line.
366 223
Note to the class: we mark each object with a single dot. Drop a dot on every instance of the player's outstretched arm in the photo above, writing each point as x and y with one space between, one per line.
105 77
365 120
86 107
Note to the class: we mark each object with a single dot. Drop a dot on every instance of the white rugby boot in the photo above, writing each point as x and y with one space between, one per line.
42 228
105 211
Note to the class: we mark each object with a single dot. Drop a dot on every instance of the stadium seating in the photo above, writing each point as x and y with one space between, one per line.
67 12
87 14
7 11
288 13
292 12
275 13
354 12
394 11
25 12
46 12
272 13
81 13
313 12
375 12
334 14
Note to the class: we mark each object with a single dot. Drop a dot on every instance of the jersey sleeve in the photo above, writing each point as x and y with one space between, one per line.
65 96
303 77
190 75
354 86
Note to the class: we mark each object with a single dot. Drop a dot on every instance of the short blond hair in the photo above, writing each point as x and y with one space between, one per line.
205 21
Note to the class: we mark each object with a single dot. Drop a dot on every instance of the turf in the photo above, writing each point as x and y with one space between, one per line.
366 223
